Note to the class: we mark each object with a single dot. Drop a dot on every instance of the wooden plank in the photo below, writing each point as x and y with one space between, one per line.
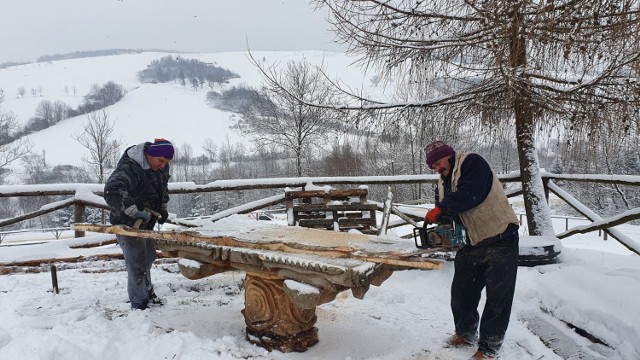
73 259
333 194
334 207
299 241
355 221
328 223
549 330
341 221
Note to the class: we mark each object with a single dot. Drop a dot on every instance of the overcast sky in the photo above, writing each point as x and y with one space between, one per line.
32 28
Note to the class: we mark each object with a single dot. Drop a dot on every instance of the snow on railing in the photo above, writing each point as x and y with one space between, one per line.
91 195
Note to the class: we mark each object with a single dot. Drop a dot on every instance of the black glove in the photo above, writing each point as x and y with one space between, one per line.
164 215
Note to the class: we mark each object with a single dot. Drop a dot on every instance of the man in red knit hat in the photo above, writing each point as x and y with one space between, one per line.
470 194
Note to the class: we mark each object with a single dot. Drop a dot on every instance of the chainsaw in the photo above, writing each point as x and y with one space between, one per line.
444 236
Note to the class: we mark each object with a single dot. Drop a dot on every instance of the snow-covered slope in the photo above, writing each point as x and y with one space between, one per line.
148 110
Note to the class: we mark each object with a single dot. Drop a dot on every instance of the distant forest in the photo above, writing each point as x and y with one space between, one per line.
182 70
86 54
236 99
50 113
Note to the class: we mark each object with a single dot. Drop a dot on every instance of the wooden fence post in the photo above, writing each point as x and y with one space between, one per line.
54 279
545 185
78 217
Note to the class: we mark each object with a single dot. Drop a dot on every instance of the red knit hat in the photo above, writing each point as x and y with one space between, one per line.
436 151
161 148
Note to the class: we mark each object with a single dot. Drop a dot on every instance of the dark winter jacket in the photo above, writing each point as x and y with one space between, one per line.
474 185
134 182
472 194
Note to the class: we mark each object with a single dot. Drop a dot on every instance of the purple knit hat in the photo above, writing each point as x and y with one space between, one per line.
436 151
161 148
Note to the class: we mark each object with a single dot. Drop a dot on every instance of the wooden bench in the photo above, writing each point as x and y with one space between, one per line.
334 209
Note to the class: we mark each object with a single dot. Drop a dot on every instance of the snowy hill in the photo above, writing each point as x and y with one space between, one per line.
169 110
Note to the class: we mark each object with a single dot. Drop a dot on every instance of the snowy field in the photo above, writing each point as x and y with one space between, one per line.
594 287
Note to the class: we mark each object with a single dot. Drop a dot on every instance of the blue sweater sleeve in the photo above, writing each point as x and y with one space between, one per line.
474 185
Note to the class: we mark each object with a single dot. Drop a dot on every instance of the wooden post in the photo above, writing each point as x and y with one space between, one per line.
545 185
386 212
54 279
291 216
78 217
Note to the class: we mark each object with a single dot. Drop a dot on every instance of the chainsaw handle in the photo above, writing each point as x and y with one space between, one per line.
421 237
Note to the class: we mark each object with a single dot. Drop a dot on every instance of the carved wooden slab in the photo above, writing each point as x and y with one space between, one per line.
294 240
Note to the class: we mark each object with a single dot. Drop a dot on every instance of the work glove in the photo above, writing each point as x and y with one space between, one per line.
433 215
133 212
164 214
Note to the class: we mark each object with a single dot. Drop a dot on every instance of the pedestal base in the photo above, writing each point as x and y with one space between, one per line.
273 321
298 343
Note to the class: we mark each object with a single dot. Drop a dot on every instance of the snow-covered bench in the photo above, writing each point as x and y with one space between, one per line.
539 250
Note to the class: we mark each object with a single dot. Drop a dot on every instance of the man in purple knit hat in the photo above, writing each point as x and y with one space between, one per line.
137 194
470 195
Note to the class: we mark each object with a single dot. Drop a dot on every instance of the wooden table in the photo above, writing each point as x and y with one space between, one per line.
289 271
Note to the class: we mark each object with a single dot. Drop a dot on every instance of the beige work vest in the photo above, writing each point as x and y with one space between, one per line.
491 217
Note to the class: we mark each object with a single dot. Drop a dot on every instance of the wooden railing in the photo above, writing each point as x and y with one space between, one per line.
90 195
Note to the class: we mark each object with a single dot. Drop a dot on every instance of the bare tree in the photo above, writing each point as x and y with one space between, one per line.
211 149
527 62
10 149
283 117
45 111
182 163
97 138
60 111
102 96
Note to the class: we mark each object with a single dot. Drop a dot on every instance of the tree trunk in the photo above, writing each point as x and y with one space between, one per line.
538 216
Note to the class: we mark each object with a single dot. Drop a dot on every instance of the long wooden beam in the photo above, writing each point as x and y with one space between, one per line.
414 260
599 222
43 210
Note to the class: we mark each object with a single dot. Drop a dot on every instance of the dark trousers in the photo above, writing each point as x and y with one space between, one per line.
495 267
139 254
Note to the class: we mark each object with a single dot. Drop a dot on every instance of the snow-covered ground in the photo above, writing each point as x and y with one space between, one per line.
595 287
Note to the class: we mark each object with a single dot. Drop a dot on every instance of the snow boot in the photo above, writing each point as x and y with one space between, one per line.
457 340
